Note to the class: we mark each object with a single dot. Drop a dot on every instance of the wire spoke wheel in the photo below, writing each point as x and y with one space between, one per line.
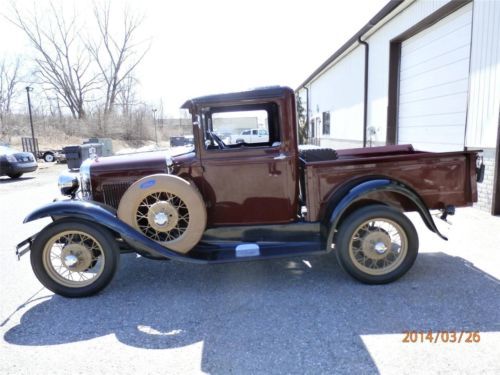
167 209
73 258
162 216
378 246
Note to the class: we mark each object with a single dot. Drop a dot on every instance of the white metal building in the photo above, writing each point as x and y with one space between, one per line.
425 72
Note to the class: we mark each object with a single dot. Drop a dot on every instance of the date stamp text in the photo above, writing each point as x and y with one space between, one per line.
447 337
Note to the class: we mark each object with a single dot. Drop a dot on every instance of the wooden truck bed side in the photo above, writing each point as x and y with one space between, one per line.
441 179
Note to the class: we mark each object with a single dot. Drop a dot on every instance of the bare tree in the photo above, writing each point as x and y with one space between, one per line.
116 54
127 95
302 121
63 63
9 79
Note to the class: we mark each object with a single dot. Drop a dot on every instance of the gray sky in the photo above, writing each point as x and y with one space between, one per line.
203 47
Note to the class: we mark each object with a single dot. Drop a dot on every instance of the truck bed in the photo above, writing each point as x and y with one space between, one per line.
441 179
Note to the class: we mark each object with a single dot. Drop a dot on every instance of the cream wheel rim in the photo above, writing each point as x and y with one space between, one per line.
73 258
378 246
162 216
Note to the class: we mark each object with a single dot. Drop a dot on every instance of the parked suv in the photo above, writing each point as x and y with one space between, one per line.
251 136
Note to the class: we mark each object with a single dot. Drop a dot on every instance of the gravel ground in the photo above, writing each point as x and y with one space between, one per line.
283 316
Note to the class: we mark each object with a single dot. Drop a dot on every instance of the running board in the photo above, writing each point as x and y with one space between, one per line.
225 252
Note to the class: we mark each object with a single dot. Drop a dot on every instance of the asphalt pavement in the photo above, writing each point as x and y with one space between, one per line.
300 315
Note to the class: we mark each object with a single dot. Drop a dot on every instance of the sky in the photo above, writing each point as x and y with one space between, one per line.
206 47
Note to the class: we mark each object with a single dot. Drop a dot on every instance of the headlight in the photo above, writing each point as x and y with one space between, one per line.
68 183
170 164
85 185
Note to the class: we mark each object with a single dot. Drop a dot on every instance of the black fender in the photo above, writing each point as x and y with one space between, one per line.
341 204
106 216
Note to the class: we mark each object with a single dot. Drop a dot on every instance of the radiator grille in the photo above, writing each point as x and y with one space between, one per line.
113 193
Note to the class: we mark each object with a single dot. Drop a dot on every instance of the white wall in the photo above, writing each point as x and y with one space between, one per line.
340 91
378 85
484 92
433 84
340 88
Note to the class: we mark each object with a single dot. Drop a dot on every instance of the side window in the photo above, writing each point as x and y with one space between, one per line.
326 123
252 125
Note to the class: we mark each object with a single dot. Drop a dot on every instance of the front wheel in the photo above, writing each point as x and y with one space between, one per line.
74 259
14 176
376 244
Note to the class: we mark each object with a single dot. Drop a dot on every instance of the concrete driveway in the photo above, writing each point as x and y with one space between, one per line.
284 316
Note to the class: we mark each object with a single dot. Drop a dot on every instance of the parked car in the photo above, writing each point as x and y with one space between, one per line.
181 140
251 136
219 203
61 157
14 163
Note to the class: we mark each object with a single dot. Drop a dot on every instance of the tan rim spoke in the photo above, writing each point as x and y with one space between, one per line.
378 246
69 255
162 216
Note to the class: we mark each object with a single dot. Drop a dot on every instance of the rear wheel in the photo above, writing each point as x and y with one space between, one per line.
74 259
376 244
14 175
48 157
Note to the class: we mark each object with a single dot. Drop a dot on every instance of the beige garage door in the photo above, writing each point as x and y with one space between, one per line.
434 82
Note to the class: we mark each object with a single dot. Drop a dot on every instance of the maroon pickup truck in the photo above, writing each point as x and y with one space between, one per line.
223 202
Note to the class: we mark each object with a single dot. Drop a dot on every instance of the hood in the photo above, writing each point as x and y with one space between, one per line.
138 164
109 177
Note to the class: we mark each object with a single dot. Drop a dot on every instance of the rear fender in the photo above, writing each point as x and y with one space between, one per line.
105 216
341 204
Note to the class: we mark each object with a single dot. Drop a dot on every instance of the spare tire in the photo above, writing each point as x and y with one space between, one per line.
167 209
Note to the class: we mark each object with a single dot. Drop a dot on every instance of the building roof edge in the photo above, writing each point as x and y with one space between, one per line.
387 9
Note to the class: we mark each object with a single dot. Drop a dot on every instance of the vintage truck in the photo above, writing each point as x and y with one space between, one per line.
220 202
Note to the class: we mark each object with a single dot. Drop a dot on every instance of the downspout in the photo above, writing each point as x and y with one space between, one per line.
365 98
307 111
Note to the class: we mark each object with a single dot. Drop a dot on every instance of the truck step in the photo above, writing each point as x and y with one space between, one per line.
228 251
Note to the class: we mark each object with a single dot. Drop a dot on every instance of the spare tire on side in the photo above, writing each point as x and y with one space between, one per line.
167 209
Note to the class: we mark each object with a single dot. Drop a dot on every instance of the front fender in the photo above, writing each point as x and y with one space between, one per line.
74 208
106 216
362 190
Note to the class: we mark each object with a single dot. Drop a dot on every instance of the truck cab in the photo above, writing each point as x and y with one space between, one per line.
248 183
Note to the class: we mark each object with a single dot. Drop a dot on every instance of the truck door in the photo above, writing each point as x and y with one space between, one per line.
252 182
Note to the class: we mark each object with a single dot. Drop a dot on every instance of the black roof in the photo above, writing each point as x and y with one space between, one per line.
258 93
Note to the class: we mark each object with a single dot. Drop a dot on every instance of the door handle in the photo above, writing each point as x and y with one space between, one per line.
281 156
